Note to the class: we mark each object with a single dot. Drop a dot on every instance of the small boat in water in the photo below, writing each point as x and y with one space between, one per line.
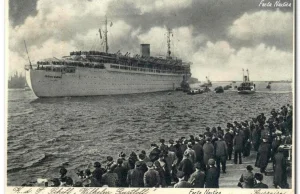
208 84
227 87
195 91
246 87
219 89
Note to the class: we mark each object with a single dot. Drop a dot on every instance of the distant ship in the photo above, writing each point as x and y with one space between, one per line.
92 73
16 81
207 84
246 87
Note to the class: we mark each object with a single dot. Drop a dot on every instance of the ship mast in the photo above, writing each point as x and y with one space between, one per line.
27 55
243 76
248 75
169 43
105 36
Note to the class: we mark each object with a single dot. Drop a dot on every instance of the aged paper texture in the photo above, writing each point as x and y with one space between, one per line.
150 96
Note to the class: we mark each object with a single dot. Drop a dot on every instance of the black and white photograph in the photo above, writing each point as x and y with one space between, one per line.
138 96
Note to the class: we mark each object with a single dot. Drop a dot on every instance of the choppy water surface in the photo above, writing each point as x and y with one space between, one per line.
45 133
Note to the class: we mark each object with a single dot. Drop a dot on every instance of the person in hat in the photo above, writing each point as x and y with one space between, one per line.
110 178
87 178
125 163
238 145
97 175
135 177
228 137
186 166
147 159
207 133
151 177
121 171
109 163
255 137
161 172
263 155
55 182
154 153
212 175
247 178
275 144
162 146
63 175
201 140
143 165
132 159
184 145
178 152
197 179
208 151
280 172
182 183
170 160
190 152
172 146
221 153
258 179
198 151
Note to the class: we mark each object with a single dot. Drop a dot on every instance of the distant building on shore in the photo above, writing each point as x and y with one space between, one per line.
17 81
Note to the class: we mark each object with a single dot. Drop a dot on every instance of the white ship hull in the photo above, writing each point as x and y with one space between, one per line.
94 82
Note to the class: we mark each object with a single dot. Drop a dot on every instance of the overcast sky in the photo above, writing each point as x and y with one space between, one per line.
220 37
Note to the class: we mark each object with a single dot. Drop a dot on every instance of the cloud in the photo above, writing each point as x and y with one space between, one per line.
272 27
221 62
212 35
183 43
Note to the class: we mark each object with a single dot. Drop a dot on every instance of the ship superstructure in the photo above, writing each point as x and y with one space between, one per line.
89 73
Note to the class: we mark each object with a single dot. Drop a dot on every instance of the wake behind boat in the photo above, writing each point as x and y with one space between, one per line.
246 87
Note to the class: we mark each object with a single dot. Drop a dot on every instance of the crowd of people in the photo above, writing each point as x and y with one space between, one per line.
198 161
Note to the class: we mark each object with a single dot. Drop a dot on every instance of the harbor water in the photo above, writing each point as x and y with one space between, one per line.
43 134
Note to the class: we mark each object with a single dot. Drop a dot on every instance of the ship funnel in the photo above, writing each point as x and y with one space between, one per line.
145 50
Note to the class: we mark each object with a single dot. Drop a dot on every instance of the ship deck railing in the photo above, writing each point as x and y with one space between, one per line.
151 70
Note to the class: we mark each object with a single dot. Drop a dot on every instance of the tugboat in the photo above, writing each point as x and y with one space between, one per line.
246 86
269 85
208 84
219 89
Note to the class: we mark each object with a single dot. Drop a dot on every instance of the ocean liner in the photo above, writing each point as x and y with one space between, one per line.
92 73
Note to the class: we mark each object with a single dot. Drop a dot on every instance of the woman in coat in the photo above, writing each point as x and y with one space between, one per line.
280 174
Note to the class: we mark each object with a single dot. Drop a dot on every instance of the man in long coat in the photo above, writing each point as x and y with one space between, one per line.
247 178
255 137
154 154
151 177
221 153
197 179
238 144
135 176
264 155
186 166
208 150
212 175
228 137
280 174
198 151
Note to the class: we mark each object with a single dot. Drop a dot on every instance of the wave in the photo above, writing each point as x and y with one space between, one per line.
39 160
